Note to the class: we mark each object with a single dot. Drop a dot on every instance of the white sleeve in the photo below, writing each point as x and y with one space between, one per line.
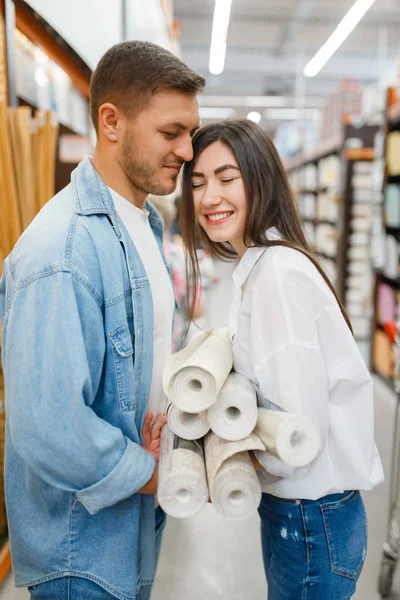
285 350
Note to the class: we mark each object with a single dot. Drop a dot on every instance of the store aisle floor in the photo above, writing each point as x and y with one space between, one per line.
209 558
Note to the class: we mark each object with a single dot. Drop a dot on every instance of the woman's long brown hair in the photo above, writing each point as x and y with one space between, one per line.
270 202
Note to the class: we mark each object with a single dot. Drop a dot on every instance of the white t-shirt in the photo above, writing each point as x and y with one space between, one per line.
137 223
291 340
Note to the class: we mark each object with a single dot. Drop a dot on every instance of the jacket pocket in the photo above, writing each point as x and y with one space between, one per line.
123 361
345 524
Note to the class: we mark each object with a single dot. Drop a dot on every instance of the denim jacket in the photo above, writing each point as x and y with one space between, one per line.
77 353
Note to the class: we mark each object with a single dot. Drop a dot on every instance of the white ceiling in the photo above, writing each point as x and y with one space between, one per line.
270 41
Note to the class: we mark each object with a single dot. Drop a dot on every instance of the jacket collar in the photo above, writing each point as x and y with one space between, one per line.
93 198
250 258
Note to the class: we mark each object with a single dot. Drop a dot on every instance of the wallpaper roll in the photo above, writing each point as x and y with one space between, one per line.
392 205
360 224
384 359
358 253
354 309
235 489
359 239
357 267
385 304
182 482
189 426
393 153
361 210
194 377
363 195
292 438
391 266
234 415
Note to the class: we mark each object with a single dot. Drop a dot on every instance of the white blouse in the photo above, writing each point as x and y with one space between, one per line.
291 340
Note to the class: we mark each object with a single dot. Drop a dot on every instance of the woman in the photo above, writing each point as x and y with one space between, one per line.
292 338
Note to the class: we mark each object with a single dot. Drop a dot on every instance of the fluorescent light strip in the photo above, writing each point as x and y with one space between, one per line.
290 114
216 112
219 35
342 31
257 101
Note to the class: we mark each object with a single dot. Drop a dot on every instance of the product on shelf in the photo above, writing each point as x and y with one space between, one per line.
393 153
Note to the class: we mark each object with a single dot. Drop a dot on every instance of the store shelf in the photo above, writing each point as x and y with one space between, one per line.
323 149
359 153
326 256
393 179
394 283
392 230
393 115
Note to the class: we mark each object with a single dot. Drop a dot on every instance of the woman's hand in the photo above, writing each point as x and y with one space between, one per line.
152 434
256 464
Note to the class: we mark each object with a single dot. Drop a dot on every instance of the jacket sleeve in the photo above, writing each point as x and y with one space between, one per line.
288 361
54 348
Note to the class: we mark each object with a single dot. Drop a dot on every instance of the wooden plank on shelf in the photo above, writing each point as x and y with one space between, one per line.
3 61
10 223
5 561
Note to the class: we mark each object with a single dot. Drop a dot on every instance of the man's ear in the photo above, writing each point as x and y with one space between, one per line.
109 118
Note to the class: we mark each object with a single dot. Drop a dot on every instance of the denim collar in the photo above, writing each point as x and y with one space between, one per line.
250 258
93 198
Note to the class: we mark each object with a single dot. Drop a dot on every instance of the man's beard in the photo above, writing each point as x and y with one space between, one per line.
141 173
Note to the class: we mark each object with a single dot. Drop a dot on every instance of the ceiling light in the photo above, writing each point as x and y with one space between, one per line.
342 31
216 112
254 116
219 35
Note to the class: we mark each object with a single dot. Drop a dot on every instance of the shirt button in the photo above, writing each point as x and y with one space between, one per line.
298 502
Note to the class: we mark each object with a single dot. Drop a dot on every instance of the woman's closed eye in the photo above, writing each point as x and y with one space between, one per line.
196 185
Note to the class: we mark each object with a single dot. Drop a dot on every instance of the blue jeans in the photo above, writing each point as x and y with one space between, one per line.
78 588
313 550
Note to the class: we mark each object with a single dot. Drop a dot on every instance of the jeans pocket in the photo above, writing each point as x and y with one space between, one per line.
345 524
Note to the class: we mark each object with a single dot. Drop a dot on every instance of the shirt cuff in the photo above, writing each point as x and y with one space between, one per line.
130 474
274 465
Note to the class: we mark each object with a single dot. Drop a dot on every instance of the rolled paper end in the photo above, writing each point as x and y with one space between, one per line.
298 441
236 493
185 498
193 390
234 415
189 426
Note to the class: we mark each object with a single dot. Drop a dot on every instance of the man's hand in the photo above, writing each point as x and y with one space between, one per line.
152 435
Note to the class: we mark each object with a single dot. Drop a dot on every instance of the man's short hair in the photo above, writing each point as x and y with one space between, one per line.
130 72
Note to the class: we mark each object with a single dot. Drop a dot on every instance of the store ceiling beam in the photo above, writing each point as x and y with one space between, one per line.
202 20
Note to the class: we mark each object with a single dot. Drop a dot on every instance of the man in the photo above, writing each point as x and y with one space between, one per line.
87 307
